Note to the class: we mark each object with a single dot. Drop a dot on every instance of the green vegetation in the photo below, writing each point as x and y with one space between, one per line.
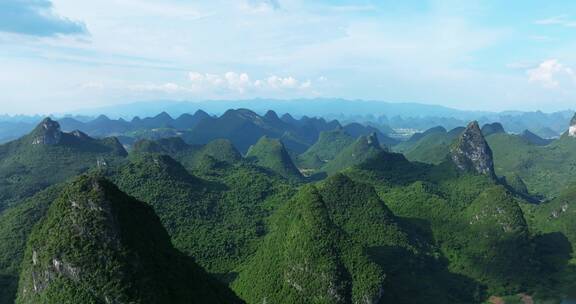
492 128
374 227
216 218
430 147
454 209
339 243
534 139
190 156
328 146
364 148
546 170
16 224
299 261
98 245
270 153
48 156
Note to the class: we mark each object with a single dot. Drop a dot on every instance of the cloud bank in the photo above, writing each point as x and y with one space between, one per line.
243 83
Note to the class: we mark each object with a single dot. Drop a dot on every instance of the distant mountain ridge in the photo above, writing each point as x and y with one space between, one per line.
398 115
297 107
243 127
407 118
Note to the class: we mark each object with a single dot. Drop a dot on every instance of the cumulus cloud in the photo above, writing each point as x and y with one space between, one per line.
207 85
551 73
242 82
35 18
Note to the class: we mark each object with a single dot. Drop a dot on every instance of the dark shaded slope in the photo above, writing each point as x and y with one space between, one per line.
98 245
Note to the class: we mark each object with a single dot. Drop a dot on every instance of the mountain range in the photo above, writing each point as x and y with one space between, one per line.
266 209
398 120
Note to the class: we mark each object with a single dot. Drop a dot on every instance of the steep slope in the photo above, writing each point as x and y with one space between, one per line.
188 121
430 147
362 149
149 126
534 139
557 215
454 207
16 223
572 127
504 255
338 243
492 128
546 170
270 153
414 274
191 156
517 184
162 120
99 245
216 218
299 261
242 127
100 126
357 130
471 152
329 144
47 156
418 136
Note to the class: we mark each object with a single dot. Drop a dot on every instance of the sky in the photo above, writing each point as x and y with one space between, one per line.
65 55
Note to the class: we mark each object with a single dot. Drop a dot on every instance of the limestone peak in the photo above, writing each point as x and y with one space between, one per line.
47 133
471 152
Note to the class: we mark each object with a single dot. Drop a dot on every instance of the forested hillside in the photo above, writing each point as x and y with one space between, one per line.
460 216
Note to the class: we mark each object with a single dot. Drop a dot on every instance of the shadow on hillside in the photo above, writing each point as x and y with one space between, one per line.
8 288
226 277
554 250
414 278
419 229
395 169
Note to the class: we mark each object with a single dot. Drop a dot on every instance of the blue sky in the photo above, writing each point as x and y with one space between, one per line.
63 55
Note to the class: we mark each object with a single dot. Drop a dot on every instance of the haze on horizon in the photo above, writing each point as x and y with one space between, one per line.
65 55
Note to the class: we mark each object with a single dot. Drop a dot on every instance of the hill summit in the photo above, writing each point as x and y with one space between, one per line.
471 153
47 133
364 148
270 153
99 245
493 128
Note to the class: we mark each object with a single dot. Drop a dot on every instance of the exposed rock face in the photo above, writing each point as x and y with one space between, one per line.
79 134
572 129
471 152
96 244
47 133
372 140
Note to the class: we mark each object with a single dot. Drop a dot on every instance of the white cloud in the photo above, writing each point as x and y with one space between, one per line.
242 83
551 73
168 88
557 20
